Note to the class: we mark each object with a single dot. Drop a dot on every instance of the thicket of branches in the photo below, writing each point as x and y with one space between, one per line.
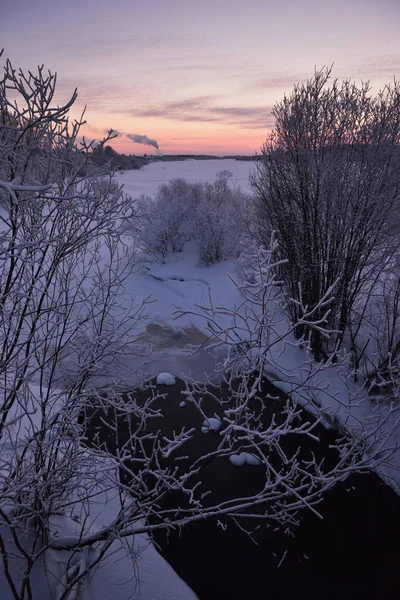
329 185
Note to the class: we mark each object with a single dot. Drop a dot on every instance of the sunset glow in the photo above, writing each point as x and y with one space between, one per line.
196 77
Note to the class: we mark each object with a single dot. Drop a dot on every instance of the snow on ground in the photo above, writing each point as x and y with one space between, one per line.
164 340
132 569
180 282
165 379
344 403
152 578
211 424
147 179
238 460
149 577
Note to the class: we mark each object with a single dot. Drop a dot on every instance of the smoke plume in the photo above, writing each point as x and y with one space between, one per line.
142 139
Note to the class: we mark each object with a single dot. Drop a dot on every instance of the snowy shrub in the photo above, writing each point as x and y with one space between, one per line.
150 232
175 208
329 186
218 226
62 273
166 219
213 214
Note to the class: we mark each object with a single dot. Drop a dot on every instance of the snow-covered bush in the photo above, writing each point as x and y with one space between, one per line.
150 232
166 220
328 184
218 220
213 214
62 271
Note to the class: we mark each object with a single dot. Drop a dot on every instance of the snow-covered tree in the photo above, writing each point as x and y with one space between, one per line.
329 185
62 315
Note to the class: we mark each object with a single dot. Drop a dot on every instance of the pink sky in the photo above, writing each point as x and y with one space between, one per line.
196 77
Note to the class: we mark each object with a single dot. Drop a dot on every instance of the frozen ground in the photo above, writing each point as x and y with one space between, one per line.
149 577
166 343
131 570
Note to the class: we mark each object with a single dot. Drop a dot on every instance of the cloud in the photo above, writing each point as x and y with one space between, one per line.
142 139
283 82
203 109
193 109
386 66
105 94
380 67
195 67
251 117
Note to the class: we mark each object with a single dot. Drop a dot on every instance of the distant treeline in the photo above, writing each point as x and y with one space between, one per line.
174 157
106 155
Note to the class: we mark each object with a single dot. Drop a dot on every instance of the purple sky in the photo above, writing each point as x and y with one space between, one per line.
197 77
